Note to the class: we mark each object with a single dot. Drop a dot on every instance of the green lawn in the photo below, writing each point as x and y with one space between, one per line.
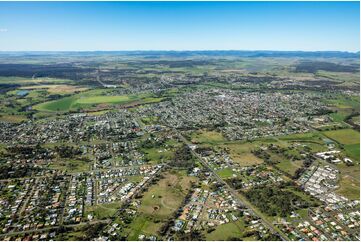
142 225
353 151
225 173
226 231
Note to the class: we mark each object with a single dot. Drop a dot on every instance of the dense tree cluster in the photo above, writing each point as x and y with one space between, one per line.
183 158
275 201
8 171
65 151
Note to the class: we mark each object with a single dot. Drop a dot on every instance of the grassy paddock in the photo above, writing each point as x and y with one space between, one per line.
344 136
241 153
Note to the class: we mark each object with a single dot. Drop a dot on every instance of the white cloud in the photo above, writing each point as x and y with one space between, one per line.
2 30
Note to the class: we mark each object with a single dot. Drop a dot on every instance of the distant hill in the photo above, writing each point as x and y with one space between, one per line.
210 53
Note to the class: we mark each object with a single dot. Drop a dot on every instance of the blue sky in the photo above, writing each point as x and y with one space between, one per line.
179 26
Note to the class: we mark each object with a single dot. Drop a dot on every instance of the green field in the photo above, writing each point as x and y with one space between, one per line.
142 225
353 151
103 211
229 231
70 165
344 136
26 81
158 204
104 99
288 166
162 199
205 136
225 173
241 153
92 98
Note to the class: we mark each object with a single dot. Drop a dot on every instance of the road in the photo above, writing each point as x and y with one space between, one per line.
241 198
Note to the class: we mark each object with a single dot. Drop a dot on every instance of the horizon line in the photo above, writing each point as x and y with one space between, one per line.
185 50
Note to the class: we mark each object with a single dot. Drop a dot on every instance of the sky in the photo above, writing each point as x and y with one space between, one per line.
89 26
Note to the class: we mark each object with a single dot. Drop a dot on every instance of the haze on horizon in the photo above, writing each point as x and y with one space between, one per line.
107 26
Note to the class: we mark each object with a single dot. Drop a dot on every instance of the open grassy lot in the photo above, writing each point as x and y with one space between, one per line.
142 224
91 99
56 89
228 231
156 155
349 181
353 151
63 104
310 136
241 153
70 165
104 99
225 173
23 81
12 118
159 203
162 199
205 136
288 166
103 211
343 106
349 187
344 136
